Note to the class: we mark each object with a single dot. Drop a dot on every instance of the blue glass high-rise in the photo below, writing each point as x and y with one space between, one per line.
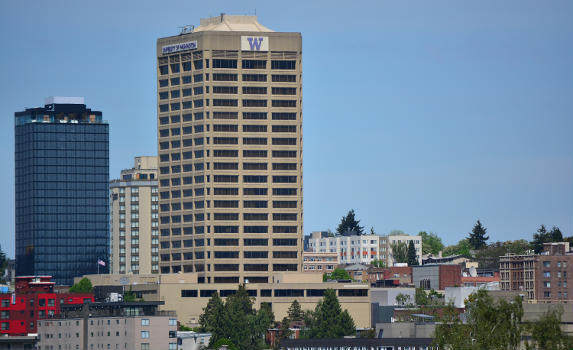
62 177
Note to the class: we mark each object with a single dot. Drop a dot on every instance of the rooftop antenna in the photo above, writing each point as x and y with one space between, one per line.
186 29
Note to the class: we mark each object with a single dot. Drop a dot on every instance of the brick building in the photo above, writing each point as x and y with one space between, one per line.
437 276
397 275
545 277
34 299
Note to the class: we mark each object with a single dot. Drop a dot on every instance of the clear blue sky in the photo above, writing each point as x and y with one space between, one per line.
420 115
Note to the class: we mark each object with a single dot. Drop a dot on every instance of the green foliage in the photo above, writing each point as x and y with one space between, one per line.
129 295
421 297
477 237
295 311
399 252
337 274
490 324
378 263
236 320
349 224
431 243
488 256
328 320
412 256
397 233
403 299
372 230
222 342
544 236
546 333
83 286
461 248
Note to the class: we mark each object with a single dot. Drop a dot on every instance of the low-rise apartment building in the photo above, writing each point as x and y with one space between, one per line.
362 249
545 277
120 325
321 262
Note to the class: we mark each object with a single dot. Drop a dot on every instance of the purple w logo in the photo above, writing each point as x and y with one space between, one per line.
255 44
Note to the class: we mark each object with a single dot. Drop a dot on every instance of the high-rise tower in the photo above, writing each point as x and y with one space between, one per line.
62 177
230 150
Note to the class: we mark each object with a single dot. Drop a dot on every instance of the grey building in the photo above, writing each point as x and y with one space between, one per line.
62 175
136 325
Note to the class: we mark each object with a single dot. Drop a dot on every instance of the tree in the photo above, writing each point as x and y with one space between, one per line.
372 230
337 274
129 295
490 324
328 319
543 236
295 311
399 252
477 237
212 319
546 332
431 243
378 263
403 299
83 286
349 224
219 344
421 297
412 256
461 248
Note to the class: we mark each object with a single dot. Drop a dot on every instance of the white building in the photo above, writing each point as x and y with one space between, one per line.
190 340
362 249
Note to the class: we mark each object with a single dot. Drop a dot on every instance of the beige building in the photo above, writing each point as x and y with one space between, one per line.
134 209
110 326
321 262
183 293
230 150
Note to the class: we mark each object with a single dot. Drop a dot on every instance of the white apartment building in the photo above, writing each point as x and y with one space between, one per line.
362 249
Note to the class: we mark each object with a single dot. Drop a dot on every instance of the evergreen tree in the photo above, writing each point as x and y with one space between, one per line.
295 311
477 237
421 297
349 224
328 320
399 252
542 236
412 256
212 319
556 235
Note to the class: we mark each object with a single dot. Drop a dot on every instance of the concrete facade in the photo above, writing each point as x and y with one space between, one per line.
437 277
230 151
181 292
387 296
134 208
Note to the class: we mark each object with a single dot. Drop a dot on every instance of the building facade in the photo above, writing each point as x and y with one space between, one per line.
437 277
62 174
134 208
322 262
33 299
545 277
362 249
230 151
136 325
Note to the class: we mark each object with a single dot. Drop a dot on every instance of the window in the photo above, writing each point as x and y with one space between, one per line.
284 116
225 102
224 77
173 322
547 274
284 78
225 115
144 346
254 90
145 322
254 103
547 264
255 115
225 90
547 284
221 63
281 64
254 64
284 91
284 128
254 77
255 153
144 334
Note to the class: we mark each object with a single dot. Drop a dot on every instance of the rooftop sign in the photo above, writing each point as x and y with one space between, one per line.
190 45
255 43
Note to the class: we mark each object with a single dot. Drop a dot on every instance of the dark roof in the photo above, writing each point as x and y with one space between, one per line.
357 342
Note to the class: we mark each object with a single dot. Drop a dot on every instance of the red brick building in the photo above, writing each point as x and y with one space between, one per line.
399 275
33 299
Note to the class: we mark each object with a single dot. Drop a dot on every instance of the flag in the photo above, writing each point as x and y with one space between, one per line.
100 262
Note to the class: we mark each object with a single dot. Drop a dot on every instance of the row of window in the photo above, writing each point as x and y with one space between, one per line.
222 128
247 153
226 115
207 293
175 68
247 90
218 102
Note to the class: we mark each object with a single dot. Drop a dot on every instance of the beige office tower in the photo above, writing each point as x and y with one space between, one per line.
134 212
230 151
